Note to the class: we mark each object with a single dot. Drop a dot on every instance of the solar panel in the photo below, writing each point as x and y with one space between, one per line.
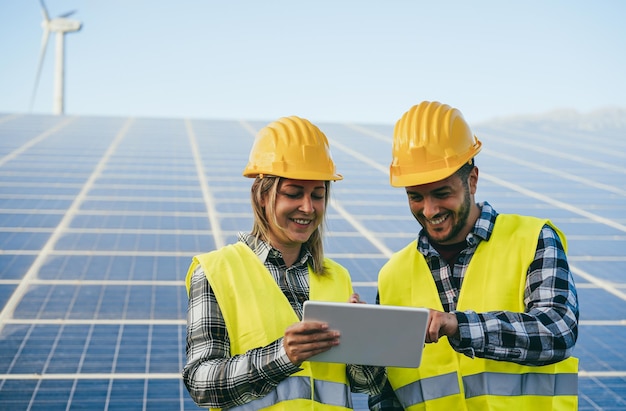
99 217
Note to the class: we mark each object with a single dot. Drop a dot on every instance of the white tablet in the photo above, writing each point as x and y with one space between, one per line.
371 334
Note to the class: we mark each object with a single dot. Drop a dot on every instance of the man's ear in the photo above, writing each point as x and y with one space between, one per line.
472 180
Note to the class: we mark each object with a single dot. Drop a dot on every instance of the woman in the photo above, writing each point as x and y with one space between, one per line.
246 346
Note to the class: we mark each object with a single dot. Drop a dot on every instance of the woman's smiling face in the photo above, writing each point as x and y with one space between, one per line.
299 208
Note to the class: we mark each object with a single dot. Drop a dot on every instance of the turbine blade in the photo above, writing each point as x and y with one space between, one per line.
44 11
69 13
42 55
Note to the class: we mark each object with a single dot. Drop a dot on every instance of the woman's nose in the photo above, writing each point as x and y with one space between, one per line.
306 205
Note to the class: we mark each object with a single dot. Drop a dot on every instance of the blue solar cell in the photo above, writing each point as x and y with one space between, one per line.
90 393
6 290
34 204
366 293
23 240
607 393
241 207
363 210
338 244
601 348
38 302
239 223
52 394
126 394
607 269
398 242
24 189
596 304
580 227
100 350
134 242
182 192
147 181
362 269
46 179
11 343
406 225
239 195
15 395
133 350
155 268
597 246
102 302
34 350
68 351
144 205
14 266
165 350
30 220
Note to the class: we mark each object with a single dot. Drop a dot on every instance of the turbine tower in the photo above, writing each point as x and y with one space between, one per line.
59 25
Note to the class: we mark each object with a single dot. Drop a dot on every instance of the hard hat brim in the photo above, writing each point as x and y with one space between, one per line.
312 176
399 178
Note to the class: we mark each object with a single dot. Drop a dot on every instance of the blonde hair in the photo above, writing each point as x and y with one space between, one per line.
266 187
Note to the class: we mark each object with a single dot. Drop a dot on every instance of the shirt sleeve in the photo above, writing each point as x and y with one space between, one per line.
545 332
214 378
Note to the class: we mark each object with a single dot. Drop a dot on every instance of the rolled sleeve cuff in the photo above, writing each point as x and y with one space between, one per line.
471 336
285 364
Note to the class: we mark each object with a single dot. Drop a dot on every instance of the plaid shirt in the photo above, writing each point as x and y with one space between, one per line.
545 333
214 378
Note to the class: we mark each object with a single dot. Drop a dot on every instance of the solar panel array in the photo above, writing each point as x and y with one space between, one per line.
99 217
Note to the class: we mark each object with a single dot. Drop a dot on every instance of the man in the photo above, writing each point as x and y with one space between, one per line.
503 304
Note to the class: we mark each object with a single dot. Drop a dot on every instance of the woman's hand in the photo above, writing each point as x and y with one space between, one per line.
307 338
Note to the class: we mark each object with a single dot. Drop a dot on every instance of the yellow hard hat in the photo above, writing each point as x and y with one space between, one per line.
430 142
291 147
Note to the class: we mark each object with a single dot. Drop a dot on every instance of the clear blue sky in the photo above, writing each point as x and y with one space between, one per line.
327 60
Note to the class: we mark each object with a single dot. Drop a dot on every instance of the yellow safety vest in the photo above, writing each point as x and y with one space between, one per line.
495 280
256 313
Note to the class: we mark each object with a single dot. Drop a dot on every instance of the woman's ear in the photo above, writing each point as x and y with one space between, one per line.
263 199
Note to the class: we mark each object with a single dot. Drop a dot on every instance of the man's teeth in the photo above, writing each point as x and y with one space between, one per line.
438 220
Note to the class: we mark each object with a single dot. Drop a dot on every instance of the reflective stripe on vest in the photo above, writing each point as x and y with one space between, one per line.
488 383
428 389
333 393
492 383
299 388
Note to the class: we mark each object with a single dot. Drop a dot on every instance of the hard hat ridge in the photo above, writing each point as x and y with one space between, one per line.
292 147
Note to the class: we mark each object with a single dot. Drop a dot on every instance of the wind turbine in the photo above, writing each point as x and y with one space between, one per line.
59 25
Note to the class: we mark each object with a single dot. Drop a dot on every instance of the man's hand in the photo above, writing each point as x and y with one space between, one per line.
440 324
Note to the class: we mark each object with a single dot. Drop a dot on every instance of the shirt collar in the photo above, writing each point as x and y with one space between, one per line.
264 250
481 232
